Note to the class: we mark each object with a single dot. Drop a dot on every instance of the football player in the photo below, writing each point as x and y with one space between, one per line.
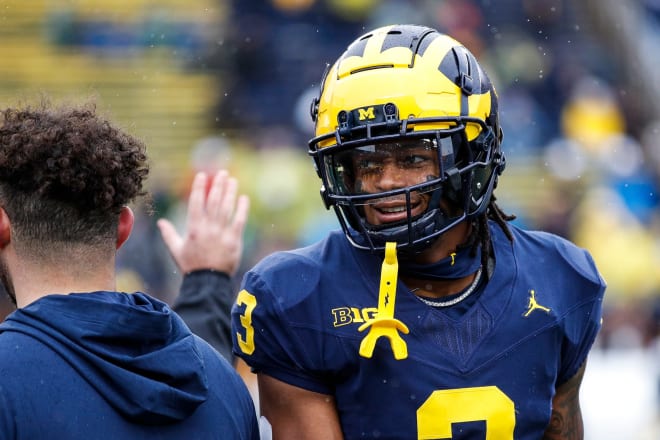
428 315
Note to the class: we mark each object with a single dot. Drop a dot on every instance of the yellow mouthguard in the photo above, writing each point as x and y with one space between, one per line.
384 323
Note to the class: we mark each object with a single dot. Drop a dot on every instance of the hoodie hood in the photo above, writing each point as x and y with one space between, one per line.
131 348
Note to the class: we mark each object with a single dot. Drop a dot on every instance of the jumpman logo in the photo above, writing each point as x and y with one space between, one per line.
533 305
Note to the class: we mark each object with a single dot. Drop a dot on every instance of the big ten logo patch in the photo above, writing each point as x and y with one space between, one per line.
352 315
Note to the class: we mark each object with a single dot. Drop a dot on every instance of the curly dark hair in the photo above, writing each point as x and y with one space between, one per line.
66 172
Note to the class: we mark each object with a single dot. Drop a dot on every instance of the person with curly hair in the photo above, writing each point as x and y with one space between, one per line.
78 359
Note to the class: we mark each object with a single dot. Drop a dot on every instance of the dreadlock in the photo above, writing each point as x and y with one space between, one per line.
481 232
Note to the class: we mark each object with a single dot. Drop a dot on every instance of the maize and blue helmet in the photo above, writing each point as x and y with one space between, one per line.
411 96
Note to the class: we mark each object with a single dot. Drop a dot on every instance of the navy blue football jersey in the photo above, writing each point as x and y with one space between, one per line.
492 369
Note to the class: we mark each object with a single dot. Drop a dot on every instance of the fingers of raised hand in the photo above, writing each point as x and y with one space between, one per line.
241 215
197 198
221 200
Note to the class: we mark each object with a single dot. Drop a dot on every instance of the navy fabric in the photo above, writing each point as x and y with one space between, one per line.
484 367
458 265
114 365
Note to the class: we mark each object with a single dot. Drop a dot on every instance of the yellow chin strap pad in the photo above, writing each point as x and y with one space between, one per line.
384 324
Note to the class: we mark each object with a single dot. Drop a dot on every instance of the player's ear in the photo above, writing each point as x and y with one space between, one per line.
125 226
5 229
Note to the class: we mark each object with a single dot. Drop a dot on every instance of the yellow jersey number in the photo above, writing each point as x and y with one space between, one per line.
246 343
441 409
444 407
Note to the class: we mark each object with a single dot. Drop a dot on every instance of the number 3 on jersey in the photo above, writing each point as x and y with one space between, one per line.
444 407
441 409
246 343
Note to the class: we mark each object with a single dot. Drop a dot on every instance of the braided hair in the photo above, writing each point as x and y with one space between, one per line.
481 232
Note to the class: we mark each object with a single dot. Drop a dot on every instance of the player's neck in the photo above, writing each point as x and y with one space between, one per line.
438 288
444 246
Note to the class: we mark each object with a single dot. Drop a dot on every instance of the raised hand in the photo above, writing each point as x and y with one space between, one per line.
215 222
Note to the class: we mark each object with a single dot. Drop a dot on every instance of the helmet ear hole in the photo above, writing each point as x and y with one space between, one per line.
314 109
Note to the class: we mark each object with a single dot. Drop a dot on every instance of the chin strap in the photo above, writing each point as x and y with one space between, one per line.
384 324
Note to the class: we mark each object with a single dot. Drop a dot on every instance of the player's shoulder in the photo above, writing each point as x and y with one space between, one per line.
299 272
554 253
323 255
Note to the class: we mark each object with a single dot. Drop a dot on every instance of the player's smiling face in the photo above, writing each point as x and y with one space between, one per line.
390 166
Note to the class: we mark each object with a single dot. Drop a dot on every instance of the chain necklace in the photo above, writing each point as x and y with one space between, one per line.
451 302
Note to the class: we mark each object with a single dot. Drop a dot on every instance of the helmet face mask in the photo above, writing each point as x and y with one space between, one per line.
407 145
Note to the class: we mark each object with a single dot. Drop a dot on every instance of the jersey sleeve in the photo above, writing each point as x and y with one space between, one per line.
269 342
583 322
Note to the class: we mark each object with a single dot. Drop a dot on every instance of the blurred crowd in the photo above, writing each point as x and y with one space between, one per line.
580 109
580 134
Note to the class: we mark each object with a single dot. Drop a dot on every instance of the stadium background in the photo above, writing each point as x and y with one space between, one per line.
227 83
